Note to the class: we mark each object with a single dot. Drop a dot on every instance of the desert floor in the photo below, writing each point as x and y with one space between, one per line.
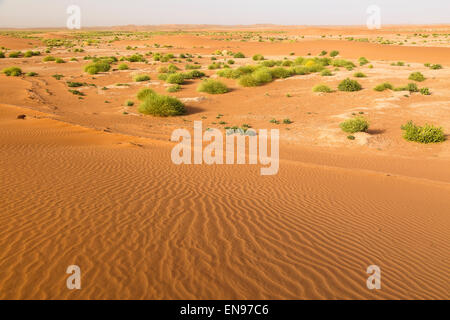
90 181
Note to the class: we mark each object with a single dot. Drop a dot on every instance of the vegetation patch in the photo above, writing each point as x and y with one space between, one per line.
358 124
349 85
416 76
212 87
322 88
12 71
162 106
425 134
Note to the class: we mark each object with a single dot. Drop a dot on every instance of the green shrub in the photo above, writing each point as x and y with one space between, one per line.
326 73
334 53
174 88
262 75
425 134
74 84
194 74
123 66
162 76
258 57
2 55
59 60
280 72
349 85
322 88
31 74
323 53
192 67
144 93
96 67
425 91
248 81
175 78
212 87
383 86
362 61
49 58
141 78
359 75
129 103
358 124
162 106
12 71
416 76
15 54
436 67
239 55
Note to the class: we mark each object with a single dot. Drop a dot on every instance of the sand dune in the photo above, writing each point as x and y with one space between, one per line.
90 181
140 227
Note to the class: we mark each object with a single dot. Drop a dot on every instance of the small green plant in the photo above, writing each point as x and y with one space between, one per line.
425 91
326 73
416 76
59 60
123 66
358 124
77 93
58 76
334 53
322 88
362 61
349 85
144 93
323 53
12 71
212 87
351 137
74 84
383 86
258 57
425 134
436 67
141 78
162 106
239 55
97 67
31 74
49 58
274 121
15 54
129 103
2 55
287 121
359 75
175 78
174 88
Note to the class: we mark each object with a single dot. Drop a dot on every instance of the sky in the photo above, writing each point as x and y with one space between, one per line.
52 13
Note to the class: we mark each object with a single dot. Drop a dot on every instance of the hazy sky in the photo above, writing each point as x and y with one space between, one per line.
52 13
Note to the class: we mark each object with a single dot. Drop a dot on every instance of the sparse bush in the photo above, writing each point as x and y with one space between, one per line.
349 85
248 81
15 54
144 93
96 67
281 72
141 78
362 61
31 74
323 53
162 106
59 60
326 73
174 88
49 58
175 78
123 66
74 84
359 75
334 53
239 55
258 57
322 88
2 55
12 71
425 134
383 86
212 87
416 76
436 67
425 91
358 124
194 74
129 103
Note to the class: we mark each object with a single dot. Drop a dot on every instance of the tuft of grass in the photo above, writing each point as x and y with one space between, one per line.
363 61
174 88
74 84
349 85
194 74
334 53
287 121
31 74
358 124
383 86
123 66
416 76
258 57
12 71
141 78
359 75
411 87
280 72
322 88
144 93
175 78
239 55
59 60
436 67
129 103
97 67
326 73
162 106
425 134
212 87
77 93
49 58
15 54
425 91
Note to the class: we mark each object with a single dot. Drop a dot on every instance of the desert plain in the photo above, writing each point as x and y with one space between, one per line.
87 179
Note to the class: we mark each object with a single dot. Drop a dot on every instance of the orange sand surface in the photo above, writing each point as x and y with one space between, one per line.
83 183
